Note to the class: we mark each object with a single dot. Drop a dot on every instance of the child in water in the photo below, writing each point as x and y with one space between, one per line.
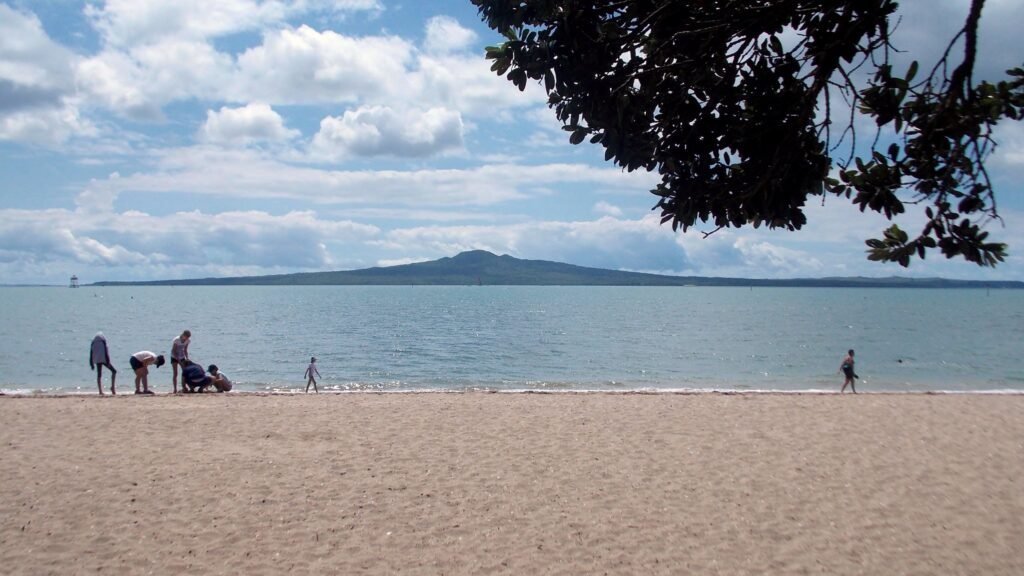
310 372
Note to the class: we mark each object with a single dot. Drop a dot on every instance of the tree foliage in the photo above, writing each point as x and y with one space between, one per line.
735 104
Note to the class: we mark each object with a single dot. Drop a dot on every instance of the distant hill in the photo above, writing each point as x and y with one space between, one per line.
482 267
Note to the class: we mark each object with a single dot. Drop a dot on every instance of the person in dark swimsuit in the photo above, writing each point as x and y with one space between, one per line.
847 369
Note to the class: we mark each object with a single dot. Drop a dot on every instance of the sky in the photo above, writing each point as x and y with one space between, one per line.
146 139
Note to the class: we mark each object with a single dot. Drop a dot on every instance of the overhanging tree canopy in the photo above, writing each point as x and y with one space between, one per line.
741 125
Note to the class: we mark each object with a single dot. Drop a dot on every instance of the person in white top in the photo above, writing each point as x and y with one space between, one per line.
99 356
179 352
140 362
310 372
220 380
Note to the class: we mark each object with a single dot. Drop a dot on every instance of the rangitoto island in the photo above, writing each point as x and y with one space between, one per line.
480 267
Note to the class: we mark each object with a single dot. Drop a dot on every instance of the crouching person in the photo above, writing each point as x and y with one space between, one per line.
220 379
193 378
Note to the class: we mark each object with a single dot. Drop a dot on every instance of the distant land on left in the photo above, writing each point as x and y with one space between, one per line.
479 267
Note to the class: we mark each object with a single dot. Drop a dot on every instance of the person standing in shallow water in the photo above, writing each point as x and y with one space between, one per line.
310 372
179 352
847 369
99 356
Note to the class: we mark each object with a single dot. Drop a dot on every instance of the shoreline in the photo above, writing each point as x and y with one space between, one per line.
546 483
527 391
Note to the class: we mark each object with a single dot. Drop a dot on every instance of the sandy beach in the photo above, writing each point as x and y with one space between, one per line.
478 483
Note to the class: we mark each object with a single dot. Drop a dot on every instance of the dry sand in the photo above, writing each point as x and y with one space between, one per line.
513 484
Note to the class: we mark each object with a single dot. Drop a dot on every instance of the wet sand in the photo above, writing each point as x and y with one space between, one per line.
479 483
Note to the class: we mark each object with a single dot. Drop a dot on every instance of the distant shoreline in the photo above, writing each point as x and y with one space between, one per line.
482 268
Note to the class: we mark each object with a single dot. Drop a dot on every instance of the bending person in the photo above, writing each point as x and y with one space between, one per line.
193 378
99 356
140 362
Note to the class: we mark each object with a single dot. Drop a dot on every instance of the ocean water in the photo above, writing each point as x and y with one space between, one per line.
413 338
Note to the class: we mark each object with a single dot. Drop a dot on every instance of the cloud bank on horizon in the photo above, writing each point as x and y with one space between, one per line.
144 139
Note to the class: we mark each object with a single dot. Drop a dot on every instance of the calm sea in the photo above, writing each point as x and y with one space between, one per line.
406 338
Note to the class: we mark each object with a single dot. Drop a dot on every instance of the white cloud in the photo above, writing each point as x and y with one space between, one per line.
383 131
447 74
157 53
445 34
138 83
343 5
399 261
46 127
832 244
606 242
607 209
134 22
54 235
466 83
116 81
137 245
251 175
37 103
255 122
134 244
1009 154
767 256
290 67
545 139
30 62
306 66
